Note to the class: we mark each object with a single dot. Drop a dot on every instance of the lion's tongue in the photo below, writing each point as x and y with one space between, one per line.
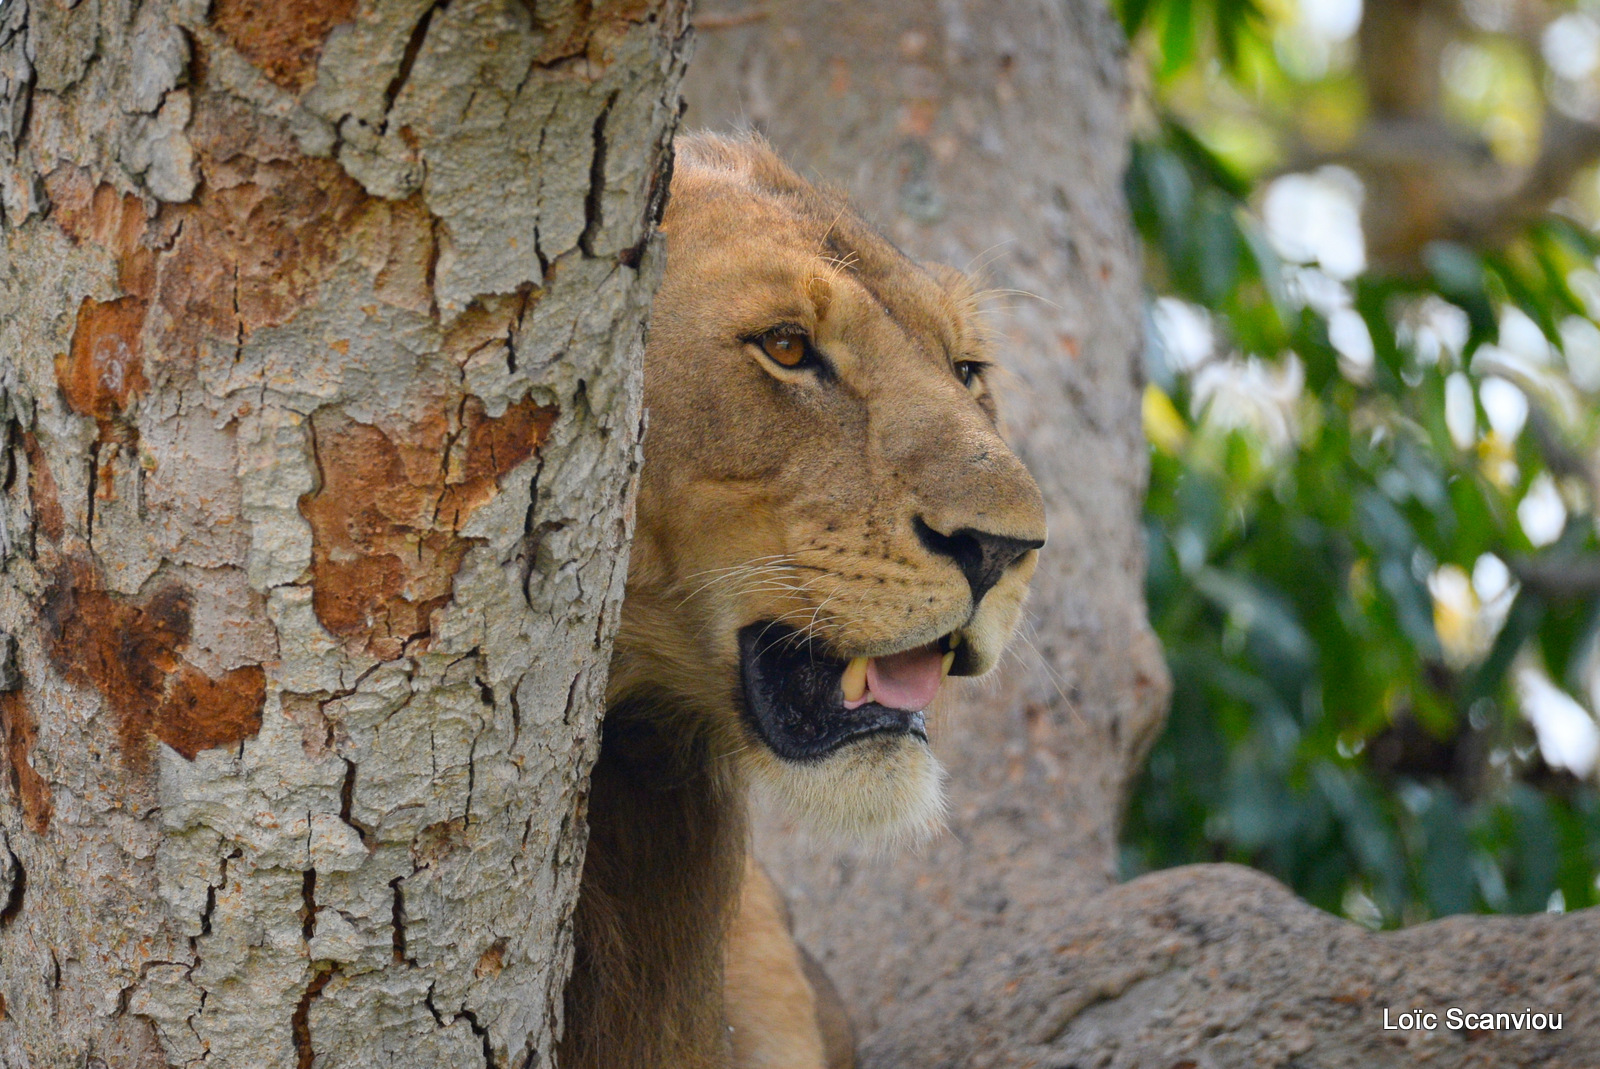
906 680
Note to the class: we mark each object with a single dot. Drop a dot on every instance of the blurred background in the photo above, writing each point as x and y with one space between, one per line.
1374 369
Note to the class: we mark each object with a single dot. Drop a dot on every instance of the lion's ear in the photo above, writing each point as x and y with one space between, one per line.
956 283
959 285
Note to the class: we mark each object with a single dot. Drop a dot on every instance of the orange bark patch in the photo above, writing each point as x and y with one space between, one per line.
20 733
42 490
264 229
488 321
108 219
104 369
130 652
493 961
282 37
388 510
200 713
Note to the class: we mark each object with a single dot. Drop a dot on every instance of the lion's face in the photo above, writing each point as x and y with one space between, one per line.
828 521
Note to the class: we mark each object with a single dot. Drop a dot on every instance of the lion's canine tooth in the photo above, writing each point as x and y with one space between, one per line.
855 679
944 665
955 640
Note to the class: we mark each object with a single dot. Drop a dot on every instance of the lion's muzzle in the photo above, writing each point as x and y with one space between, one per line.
804 704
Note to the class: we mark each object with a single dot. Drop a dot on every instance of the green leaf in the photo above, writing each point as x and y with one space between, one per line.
1133 14
1177 35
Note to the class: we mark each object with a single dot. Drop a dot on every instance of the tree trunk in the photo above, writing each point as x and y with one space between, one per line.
992 134
320 328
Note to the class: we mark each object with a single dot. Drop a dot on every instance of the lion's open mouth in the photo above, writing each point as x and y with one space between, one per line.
805 705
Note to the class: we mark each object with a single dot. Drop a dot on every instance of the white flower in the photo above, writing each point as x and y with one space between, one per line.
1580 341
1348 334
1505 405
1183 333
1541 512
1568 737
1460 411
1248 394
1434 328
1311 288
1333 20
1491 581
1470 610
1533 377
1521 336
1571 46
1316 218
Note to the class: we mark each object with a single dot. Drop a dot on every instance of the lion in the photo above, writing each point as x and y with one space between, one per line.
828 525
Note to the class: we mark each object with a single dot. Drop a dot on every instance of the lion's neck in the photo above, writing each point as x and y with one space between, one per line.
660 882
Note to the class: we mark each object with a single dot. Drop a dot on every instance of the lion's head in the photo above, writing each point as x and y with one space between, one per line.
828 521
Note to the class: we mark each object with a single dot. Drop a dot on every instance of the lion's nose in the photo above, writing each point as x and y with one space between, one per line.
982 557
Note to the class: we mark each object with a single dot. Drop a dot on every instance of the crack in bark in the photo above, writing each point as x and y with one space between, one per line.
397 923
347 795
321 972
210 908
408 60
531 535
308 904
594 201
472 1022
433 265
238 319
544 262
18 888
472 778
94 485
300 1022
427 1000
516 720
211 900
656 198
481 1032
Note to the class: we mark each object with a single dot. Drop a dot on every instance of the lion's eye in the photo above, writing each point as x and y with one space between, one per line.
786 348
970 371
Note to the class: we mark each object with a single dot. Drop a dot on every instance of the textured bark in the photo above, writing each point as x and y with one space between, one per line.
320 328
992 134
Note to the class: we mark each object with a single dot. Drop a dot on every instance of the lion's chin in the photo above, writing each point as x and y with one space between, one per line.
885 792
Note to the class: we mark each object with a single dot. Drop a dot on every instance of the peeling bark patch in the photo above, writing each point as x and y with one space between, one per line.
590 29
200 713
258 240
102 372
130 652
101 216
31 791
263 230
493 961
402 233
281 37
104 369
42 491
387 514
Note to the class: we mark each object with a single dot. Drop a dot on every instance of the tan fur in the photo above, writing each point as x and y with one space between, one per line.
775 1012
773 493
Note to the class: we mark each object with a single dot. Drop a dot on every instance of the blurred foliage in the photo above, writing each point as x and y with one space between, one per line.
1371 576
